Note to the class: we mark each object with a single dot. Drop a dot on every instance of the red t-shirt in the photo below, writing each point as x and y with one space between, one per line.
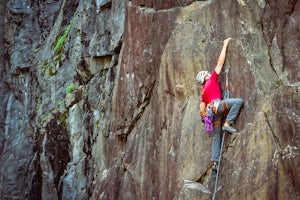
211 89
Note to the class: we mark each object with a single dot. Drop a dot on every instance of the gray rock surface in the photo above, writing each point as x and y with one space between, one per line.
99 99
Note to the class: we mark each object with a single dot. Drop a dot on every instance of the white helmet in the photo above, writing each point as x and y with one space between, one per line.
200 76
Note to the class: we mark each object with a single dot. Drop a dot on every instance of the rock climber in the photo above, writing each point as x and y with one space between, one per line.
211 99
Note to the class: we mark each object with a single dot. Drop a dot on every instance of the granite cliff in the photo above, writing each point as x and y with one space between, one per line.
99 99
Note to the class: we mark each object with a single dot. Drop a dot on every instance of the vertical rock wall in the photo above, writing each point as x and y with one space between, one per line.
99 99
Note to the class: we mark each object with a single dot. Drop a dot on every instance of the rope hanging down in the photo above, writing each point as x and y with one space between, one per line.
226 96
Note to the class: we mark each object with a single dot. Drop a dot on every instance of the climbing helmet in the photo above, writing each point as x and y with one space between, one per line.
200 76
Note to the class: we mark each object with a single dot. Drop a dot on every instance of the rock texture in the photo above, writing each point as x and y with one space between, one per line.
99 99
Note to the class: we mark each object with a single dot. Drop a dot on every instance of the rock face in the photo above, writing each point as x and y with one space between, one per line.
99 99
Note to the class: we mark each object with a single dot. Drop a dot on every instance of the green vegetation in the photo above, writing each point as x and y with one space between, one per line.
62 39
278 84
58 57
70 89
97 123
53 64
49 66
51 72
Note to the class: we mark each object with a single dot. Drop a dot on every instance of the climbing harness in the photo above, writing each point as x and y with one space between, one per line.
226 96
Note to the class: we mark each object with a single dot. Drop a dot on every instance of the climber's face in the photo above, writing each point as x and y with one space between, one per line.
207 76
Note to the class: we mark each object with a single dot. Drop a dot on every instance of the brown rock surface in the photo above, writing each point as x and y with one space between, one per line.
155 106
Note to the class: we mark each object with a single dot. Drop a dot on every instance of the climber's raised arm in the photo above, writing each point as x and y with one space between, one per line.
222 56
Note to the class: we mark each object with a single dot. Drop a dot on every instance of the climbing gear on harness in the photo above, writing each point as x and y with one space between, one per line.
211 111
214 106
208 119
208 124
200 76
215 167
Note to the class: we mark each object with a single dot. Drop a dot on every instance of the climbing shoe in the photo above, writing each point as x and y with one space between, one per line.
229 129
215 167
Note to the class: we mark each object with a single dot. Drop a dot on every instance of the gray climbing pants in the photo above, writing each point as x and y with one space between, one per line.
233 107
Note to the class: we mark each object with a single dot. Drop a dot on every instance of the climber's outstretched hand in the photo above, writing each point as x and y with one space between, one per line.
222 56
227 41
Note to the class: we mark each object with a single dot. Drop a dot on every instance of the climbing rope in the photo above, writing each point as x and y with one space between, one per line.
226 96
